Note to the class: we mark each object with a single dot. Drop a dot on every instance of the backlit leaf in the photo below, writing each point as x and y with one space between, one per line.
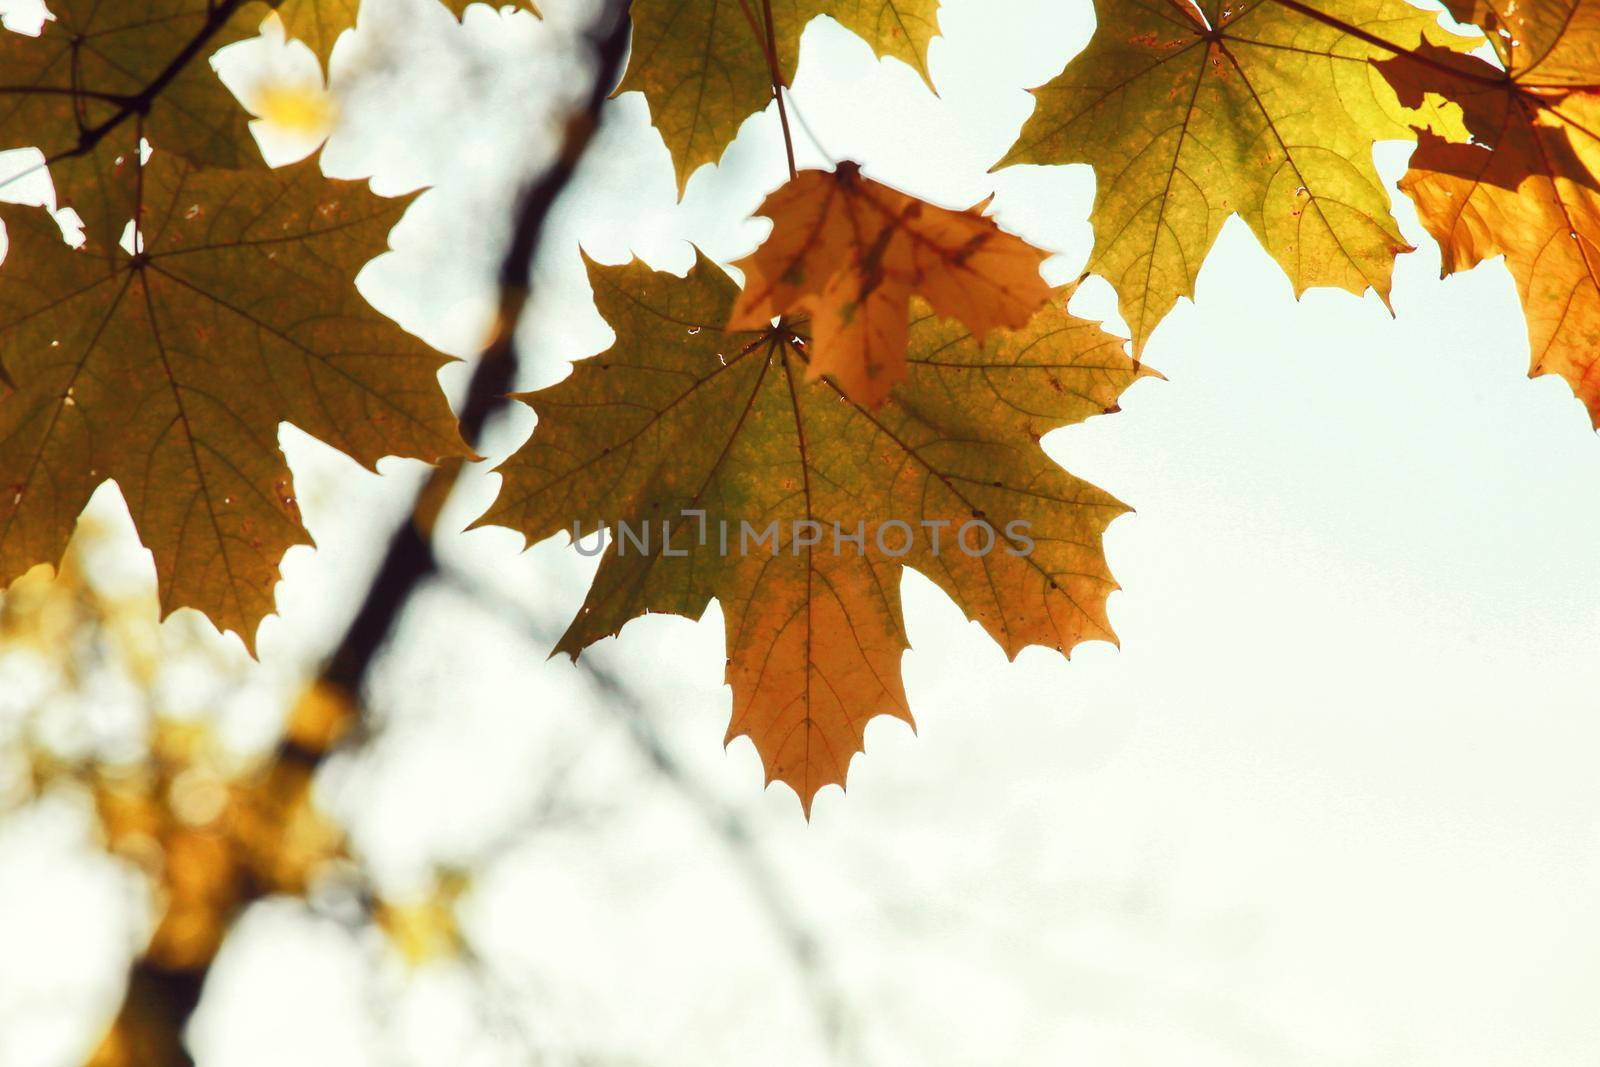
1522 181
703 65
1190 115
170 372
101 76
681 414
849 253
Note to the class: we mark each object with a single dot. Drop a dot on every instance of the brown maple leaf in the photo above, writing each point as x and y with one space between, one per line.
170 371
714 442
101 77
1525 184
850 253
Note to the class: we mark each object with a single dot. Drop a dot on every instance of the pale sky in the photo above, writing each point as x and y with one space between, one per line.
1332 803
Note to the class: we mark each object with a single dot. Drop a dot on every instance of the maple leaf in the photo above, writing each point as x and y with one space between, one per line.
170 371
1560 39
1525 184
704 68
1258 108
458 8
102 76
319 23
851 252
681 414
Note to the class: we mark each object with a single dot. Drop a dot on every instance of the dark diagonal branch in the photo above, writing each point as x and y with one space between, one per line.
409 559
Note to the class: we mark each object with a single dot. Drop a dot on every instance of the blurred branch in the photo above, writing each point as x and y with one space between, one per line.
159 1002
409 559
155 1009
725 822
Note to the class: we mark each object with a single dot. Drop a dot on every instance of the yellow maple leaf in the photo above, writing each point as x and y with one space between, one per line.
1191 114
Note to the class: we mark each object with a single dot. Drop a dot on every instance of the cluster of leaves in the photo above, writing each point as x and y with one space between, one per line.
1268 109
887 358
1190 112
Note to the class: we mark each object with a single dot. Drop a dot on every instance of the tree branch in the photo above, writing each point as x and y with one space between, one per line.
409 558
331 708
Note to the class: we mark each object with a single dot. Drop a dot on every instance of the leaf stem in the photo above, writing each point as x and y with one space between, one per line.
769 45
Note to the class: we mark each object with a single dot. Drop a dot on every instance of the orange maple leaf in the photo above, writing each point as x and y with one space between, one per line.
1525 186
850 252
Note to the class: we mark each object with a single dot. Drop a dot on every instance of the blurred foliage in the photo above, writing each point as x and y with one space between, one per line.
424 928
210 828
